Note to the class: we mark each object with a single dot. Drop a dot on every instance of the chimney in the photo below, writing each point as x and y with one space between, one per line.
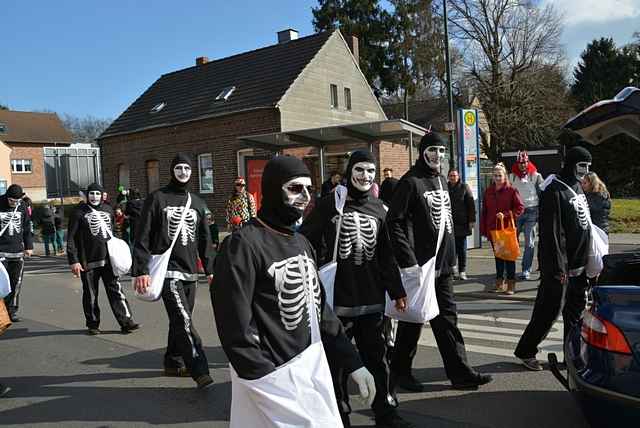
352 41
201 60
287 35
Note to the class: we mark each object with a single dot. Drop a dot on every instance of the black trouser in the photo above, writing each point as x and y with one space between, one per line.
184 347
117 300
448 337
461 251
547 308
15 269
367 330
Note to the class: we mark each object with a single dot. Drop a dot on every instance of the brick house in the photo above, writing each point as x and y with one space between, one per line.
24 135
296 84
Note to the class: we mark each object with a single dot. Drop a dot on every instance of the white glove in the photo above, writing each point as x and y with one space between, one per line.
366 384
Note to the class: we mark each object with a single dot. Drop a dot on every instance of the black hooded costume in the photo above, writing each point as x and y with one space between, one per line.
414 223
90 227
17 236
253 286
366 270
156 229
565 234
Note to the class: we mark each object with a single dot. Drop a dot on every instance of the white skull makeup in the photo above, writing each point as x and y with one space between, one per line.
582 169
182 172
433 156
362 175
297 193
94 197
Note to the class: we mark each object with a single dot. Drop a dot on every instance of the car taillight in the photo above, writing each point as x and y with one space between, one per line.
603 334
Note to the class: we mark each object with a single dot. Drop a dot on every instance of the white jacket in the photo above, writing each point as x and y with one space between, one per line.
528 187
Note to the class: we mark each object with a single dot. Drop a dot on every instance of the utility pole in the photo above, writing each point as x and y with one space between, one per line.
452 157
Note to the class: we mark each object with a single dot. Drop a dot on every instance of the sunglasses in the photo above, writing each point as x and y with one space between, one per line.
240 184
299 188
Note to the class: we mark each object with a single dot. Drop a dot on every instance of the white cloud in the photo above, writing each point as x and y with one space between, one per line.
596 11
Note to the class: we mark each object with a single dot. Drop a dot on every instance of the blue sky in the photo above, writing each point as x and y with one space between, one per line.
95 58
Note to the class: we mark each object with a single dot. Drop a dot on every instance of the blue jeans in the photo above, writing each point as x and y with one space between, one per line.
49 238
526 224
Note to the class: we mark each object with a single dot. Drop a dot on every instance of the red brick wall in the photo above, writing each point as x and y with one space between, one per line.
394 156
217 136
36 153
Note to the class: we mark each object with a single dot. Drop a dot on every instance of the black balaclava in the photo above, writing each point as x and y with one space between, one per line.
95 187
357 156
276 172
429 139
574 155
180 158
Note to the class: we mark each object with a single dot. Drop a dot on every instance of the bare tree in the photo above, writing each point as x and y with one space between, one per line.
85 129
513 55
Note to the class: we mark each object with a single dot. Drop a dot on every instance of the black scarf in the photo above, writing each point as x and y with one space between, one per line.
274 211
357 156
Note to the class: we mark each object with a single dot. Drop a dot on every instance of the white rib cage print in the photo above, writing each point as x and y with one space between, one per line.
440 203
13 220
188 231
358 237
296 281
99 223
581 206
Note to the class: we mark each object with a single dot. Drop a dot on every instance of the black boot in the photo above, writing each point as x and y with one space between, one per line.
473 382
406 381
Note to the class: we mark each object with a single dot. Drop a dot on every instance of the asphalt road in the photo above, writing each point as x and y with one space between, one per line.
62 377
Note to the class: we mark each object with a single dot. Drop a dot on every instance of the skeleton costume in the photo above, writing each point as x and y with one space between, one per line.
156 229
366 270
17 238
264 275
89 227
565 235
414 219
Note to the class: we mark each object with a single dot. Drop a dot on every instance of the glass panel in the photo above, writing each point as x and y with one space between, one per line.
205 169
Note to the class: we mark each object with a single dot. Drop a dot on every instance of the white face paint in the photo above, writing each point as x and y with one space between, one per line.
94 197
362 175
297 193
182 172
433 156
582 169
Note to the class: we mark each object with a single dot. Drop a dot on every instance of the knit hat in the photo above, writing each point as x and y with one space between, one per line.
15 191
95 187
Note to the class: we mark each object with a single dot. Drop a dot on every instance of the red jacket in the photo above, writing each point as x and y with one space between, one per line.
504 201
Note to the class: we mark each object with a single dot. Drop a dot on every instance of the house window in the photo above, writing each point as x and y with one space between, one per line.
21 166
334 95
205 169
225 93
153 175
347 98
3 186
3 128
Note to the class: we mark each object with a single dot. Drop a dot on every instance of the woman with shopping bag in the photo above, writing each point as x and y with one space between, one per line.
350 222
501 206
421 229
272 316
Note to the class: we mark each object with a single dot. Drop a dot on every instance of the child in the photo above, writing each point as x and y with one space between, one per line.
213 230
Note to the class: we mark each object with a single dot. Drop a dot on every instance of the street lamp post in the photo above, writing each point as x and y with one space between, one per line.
452 156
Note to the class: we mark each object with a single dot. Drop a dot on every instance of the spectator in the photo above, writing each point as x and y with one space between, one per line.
241 206
463 210
57 221
122 195
214 231
48 229
329 185
501 198
599 200
121 224
133 211
525 177
388 186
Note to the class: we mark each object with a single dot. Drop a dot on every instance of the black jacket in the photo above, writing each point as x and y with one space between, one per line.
387 188
133 211
564 230
463 208
599 207
412 221
18 235
47 222
87 237
160 216
366 266
257 276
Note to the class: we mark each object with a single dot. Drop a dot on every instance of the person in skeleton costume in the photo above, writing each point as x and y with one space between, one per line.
565 235
157 227
421 205
266 284
90 226
366 270
16 241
